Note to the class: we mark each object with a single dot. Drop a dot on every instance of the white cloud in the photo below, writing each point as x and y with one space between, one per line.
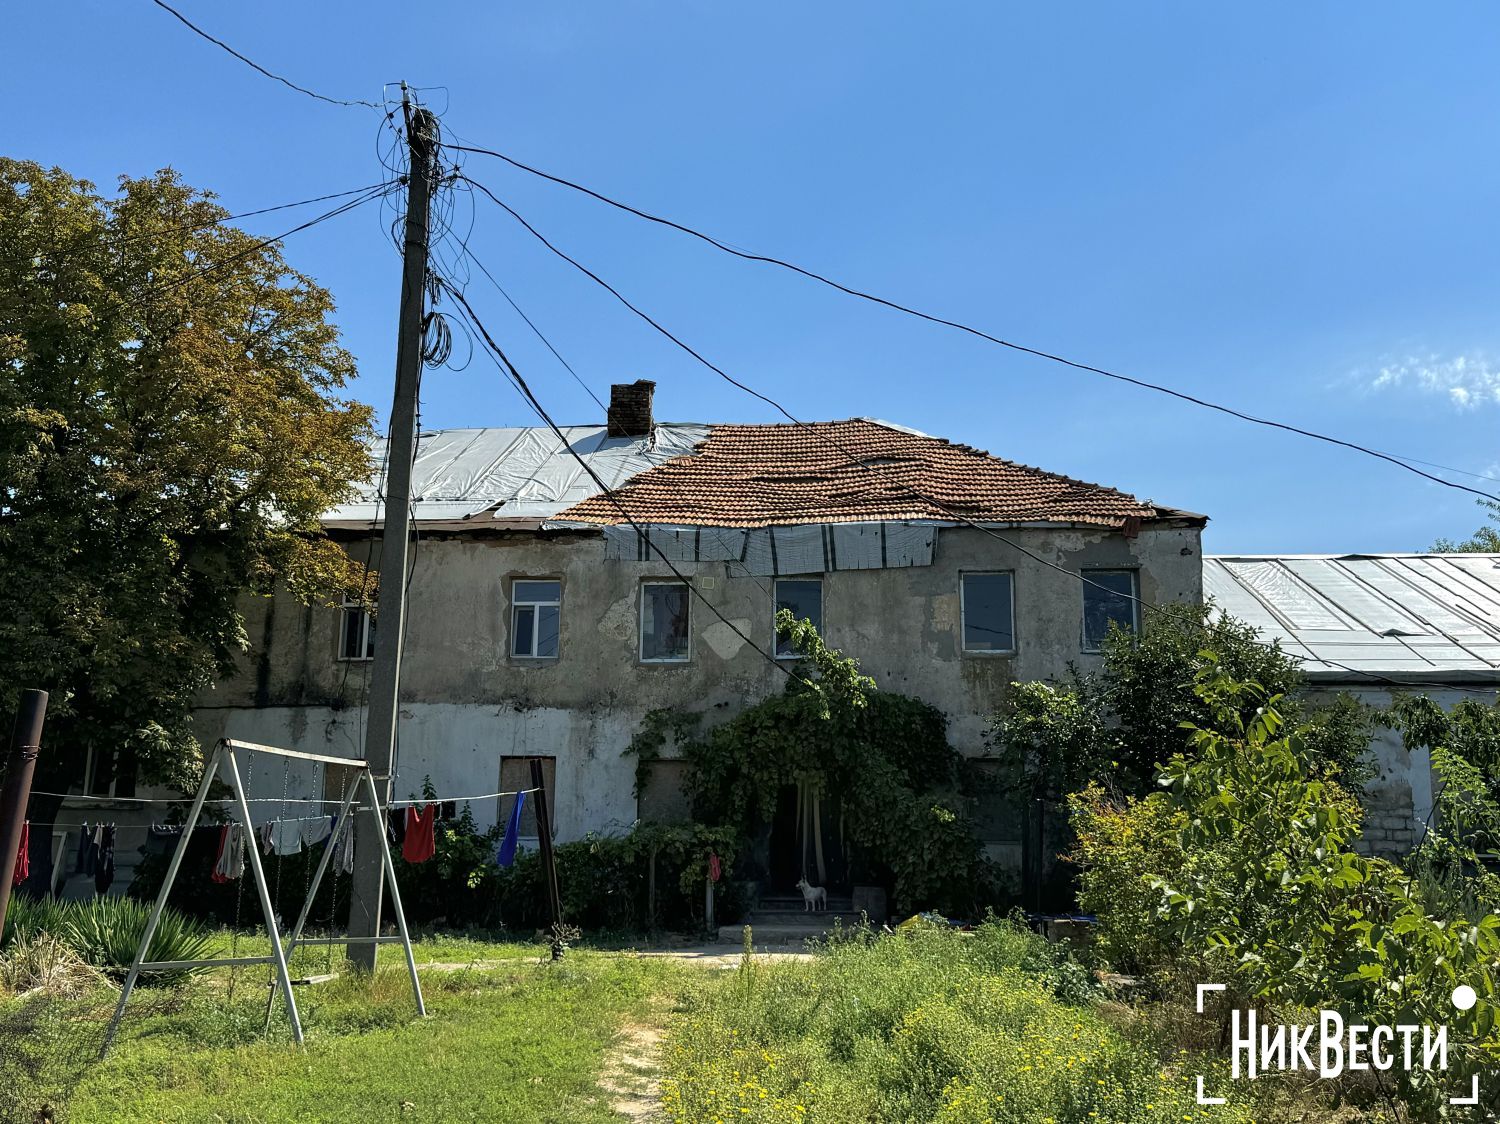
1467 381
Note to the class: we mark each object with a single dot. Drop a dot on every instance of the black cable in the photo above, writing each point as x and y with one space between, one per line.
977 332
195 29
520 384
191 227
379 192
862 463
566 365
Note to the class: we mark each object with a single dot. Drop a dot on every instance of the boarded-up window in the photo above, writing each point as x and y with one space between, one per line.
997 814
515 775
663 798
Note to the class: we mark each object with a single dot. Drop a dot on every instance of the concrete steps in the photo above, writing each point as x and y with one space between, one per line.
783 919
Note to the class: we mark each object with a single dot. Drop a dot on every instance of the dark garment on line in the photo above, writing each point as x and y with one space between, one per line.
395 819
104 869
506 855
85 863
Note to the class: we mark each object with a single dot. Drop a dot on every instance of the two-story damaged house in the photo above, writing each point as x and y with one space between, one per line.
540 624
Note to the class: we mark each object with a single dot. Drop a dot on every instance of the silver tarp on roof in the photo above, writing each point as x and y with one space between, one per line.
517 473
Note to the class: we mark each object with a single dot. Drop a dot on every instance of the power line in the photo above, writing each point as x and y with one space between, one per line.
864 464
520 384
379 192
566 365
196 30
191 227
969 329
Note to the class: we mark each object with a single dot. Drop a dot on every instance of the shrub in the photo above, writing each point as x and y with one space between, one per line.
1122 848
1260 876
28 918
106 932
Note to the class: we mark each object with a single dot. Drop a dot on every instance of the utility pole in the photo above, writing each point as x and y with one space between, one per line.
395 544
25 745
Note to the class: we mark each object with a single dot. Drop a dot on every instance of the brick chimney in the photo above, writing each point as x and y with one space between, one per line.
630 408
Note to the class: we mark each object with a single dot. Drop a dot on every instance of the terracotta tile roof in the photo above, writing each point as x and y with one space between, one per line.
764 475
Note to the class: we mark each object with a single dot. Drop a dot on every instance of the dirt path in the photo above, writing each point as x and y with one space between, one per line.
705 956
632 1072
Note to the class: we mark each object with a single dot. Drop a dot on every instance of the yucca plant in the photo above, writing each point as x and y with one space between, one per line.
106 931
29 918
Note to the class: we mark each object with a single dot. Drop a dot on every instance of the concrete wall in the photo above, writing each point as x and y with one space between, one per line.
466 703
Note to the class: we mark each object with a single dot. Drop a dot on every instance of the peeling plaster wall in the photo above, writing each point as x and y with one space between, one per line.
1398 801
465 703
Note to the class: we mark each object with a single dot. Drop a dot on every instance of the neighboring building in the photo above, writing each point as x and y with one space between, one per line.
1362 623
539 625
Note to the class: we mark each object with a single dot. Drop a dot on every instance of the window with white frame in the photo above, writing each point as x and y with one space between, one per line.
665 608
804 597
988 610
535 618
1109 597
356 631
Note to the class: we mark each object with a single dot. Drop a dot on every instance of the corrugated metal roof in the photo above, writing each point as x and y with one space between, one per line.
523 474
1417 616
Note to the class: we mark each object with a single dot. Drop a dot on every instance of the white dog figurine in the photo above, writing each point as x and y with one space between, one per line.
812 896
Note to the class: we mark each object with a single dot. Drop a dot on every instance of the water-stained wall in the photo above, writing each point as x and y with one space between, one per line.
467 703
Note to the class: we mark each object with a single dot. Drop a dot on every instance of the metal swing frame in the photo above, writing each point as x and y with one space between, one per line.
224 756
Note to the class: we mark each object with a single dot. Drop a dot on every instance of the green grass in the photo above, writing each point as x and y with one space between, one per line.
924 1026
522 1043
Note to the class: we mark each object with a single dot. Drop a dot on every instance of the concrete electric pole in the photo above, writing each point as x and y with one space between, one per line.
395 544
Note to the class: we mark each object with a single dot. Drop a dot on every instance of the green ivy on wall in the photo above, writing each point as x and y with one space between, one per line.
904 793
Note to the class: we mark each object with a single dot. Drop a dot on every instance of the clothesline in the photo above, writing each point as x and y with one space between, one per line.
412 803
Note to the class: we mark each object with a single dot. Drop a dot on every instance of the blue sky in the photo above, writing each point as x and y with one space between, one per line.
1287 207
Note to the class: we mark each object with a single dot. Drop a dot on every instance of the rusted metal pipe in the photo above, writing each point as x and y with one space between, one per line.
25 744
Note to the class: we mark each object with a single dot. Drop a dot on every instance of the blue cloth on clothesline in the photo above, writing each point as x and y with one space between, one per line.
506 855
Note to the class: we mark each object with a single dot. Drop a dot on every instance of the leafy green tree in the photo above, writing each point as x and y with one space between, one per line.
1464 743
1244 868
1116 726
1486 540
170 431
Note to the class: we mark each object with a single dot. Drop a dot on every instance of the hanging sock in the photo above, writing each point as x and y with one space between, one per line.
506 855
104 864
420 841
23 856
230 863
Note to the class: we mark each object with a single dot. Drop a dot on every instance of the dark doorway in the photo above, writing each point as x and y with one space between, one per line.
792 851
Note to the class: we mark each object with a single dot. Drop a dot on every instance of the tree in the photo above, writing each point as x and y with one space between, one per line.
1114 728
170 431
1486 540
1118 725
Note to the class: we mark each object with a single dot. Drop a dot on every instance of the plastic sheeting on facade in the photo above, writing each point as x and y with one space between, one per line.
771 551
